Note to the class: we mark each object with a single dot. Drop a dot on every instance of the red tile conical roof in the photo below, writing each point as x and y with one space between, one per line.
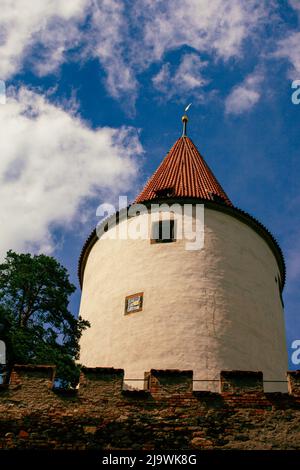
183 173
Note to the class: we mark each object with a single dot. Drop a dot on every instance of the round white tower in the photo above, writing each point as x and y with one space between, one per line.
160 301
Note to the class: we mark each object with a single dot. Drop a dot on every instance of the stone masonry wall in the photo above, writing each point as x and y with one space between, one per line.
168 415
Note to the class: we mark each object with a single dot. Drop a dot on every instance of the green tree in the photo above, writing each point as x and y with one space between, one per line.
39 328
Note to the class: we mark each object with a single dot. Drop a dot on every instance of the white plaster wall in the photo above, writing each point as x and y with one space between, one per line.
208 310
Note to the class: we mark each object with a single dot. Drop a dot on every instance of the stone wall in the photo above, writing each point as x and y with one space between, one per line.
167 415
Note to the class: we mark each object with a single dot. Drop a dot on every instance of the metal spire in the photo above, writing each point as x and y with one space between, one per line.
185 120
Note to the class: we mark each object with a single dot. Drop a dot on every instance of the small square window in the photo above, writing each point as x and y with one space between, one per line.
163 231
134 303
166 192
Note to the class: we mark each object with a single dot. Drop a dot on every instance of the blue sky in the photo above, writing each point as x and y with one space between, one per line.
94 96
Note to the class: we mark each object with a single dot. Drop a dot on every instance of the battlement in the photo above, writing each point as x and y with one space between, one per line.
29 376
106 381
164 383
167 413
236 381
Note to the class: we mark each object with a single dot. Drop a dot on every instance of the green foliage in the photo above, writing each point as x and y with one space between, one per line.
39 328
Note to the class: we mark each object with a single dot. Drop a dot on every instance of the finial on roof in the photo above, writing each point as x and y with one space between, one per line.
185 119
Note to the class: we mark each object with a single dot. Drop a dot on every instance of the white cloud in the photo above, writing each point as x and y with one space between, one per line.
187 80
296 5
2 92
51 162
216 28
288 48
244 97
207 26
109 39
52 23
44 33
126 37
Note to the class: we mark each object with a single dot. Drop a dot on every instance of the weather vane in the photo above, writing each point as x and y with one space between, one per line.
185 119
